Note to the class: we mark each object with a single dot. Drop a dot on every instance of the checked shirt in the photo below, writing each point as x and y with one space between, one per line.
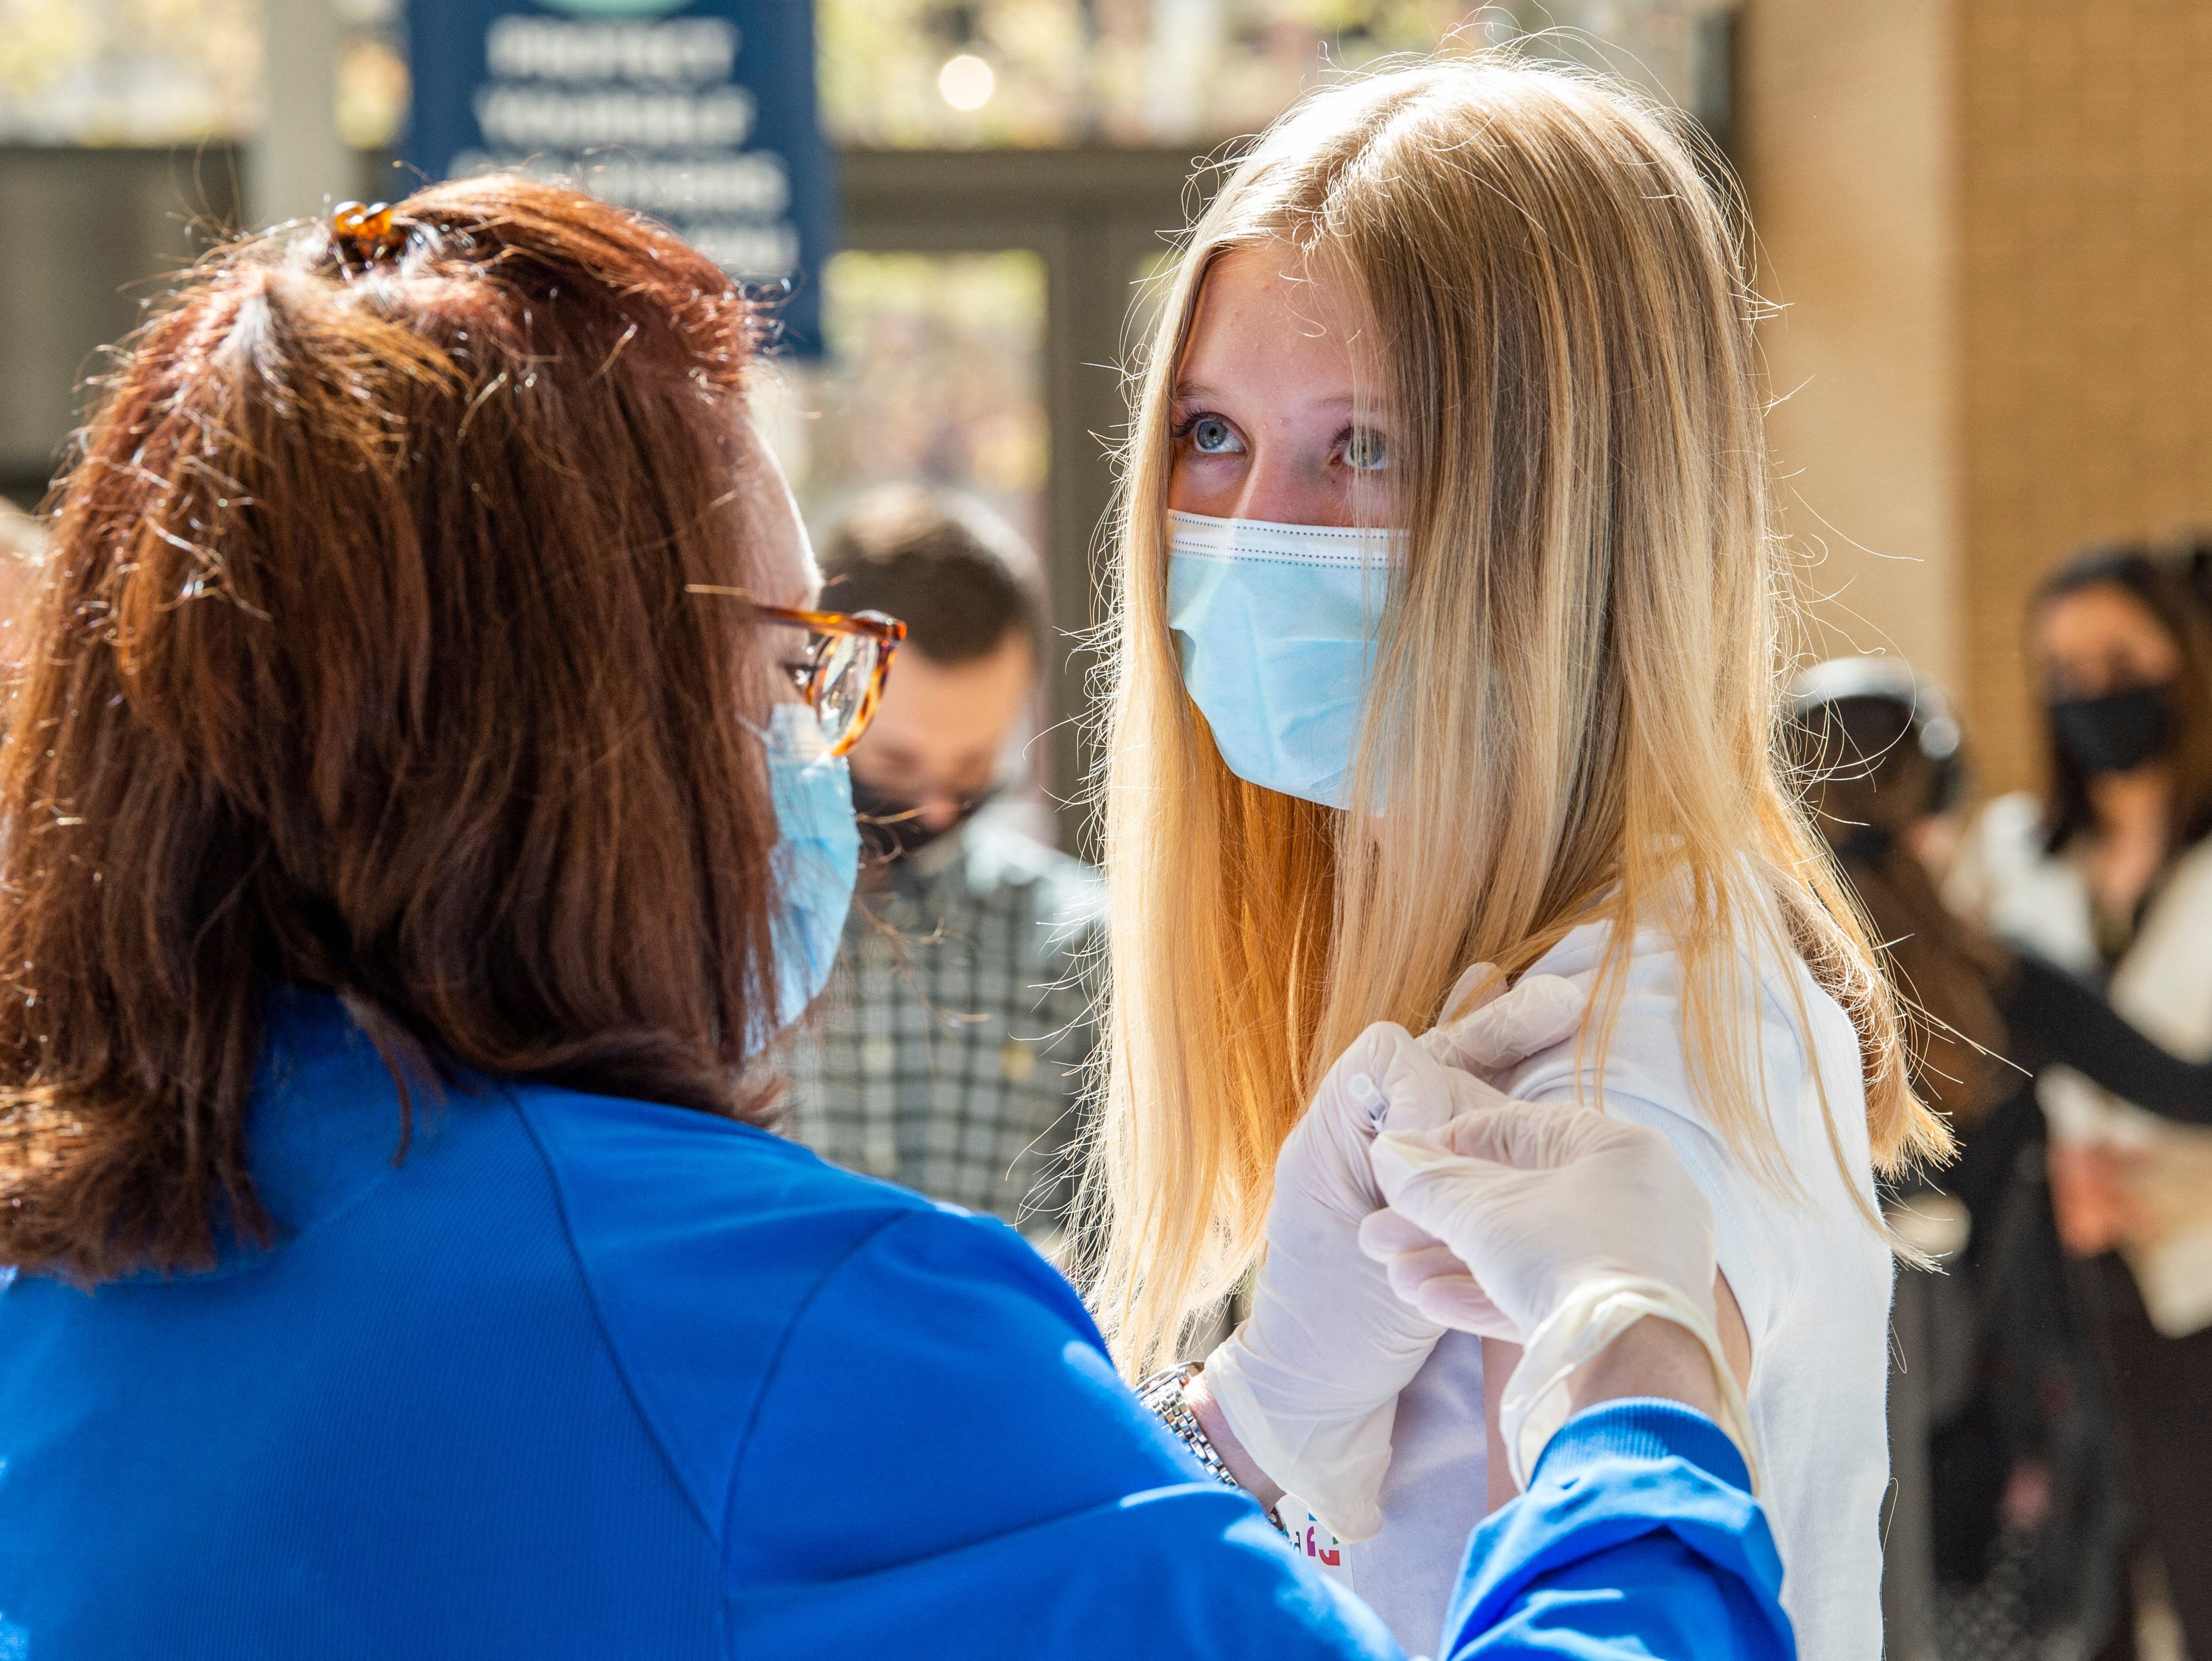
951 1049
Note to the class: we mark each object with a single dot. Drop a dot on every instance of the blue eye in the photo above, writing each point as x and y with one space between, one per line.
1366 451
1211 435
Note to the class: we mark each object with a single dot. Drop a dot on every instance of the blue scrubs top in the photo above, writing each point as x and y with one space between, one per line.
586 1376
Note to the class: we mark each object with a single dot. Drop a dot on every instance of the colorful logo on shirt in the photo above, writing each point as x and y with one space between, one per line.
1311 1541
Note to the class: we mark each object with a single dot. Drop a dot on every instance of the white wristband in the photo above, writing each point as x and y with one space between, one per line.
1537 1400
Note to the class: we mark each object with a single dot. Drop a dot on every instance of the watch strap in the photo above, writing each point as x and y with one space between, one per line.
1162 1395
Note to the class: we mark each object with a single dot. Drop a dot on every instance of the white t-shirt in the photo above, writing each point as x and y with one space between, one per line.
2040 902
1812 1276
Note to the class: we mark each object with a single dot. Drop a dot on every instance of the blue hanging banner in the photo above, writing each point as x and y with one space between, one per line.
701 115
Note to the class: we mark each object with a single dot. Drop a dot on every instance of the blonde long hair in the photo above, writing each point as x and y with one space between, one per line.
1574 711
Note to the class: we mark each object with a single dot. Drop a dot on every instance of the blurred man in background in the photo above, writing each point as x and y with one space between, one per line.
951 1050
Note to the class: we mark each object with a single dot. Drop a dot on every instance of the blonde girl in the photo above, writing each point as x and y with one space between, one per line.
1448 633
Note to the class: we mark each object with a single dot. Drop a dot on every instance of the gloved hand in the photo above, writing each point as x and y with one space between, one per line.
1555 1227
1310 1381
1485 1028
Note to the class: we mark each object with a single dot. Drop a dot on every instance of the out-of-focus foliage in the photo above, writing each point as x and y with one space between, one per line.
128 71
373 89
1175 71
937 377
177 71
1059 72
1114 71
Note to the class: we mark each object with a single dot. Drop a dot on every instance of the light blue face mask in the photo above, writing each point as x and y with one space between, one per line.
817 859
1275 627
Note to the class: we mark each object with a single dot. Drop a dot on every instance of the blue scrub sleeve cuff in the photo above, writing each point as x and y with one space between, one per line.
1638 1537
1641 1427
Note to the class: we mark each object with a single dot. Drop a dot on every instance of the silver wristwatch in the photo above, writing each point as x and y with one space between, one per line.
1162 1394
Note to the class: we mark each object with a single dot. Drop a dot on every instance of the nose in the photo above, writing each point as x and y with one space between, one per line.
1281 488
938 811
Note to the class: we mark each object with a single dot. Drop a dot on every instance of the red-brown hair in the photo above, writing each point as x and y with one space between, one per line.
363 659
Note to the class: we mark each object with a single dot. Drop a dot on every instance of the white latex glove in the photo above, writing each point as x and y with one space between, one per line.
1542 1011
1310 1381
1554 1227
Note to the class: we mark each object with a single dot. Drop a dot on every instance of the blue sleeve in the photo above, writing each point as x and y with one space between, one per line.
945 1462
1638 1537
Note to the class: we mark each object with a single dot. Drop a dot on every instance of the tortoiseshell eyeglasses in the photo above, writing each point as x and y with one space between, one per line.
847 661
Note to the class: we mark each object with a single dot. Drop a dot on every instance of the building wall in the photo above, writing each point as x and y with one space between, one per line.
1846 143
2085 325
1989 225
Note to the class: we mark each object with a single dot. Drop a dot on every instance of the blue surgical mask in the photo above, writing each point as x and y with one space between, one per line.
816 859
1276 627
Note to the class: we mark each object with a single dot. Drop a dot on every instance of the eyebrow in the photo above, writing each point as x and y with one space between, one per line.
1198 389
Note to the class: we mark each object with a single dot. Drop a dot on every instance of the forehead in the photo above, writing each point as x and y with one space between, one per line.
786 573
1271 306
935 712
2100 615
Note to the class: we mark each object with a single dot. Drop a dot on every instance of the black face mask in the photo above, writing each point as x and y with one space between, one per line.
891 827
2117 732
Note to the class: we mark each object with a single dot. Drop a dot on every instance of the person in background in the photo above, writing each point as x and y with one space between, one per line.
2108 876
951 1050
2005 1523
1885 775
2010 1489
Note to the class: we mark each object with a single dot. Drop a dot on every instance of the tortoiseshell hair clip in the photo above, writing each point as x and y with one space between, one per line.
364 234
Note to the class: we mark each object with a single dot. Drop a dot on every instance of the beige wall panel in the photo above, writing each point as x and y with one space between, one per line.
2085 219
1848 160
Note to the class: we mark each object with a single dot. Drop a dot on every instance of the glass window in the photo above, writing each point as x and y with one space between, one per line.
372 72
149 72
128 71
935 376
895 73
952 73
